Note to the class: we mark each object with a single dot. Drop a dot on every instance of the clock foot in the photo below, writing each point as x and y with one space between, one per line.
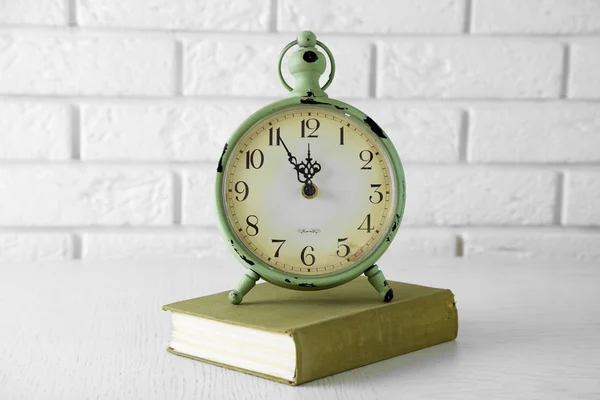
244 285
376 278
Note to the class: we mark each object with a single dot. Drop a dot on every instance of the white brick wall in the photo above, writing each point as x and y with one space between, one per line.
469 68
113 245
82 63
34 12
223 15
556 132
30 247
582 205
34 131
64 196
536 16
113 114
458 196
585 63
375 16
160 132
422 133
246 66
556 244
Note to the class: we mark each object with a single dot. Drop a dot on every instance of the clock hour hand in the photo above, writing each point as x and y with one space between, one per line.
305 171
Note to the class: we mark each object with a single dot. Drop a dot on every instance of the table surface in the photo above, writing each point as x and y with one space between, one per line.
77 330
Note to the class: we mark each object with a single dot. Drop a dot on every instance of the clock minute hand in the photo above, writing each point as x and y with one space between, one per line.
299 167
291 158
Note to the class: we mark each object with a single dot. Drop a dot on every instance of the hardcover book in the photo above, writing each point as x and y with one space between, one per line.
294 336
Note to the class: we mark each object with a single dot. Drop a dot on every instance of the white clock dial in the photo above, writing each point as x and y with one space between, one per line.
347 216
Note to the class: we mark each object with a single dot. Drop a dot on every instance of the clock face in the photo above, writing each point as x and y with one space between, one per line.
309 192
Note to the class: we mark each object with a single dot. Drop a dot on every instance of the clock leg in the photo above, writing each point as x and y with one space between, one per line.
244 285
376 278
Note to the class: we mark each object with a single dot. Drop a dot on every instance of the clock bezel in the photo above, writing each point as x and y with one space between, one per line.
308 282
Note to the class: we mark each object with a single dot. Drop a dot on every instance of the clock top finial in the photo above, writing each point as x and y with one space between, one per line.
307 39
306 65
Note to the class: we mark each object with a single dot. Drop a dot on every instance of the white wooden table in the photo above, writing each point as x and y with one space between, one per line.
81 331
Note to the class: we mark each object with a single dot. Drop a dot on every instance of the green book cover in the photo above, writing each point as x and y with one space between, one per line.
337 329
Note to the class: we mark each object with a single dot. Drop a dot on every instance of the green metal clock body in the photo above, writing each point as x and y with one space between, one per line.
309 218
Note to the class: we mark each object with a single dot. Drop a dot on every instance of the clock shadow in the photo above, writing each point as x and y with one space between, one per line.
356 295
323 298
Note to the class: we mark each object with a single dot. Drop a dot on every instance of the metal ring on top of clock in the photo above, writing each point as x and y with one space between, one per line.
320 44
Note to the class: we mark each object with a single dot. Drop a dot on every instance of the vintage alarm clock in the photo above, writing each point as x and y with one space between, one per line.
310 191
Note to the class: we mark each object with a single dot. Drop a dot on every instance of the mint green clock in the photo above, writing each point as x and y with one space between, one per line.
310 191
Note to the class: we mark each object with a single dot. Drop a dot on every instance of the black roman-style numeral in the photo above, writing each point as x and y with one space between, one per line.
307 259
345 247
379 196
367 157
241 188
274 136
366 224
311 125
252 228
282 241
255 159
